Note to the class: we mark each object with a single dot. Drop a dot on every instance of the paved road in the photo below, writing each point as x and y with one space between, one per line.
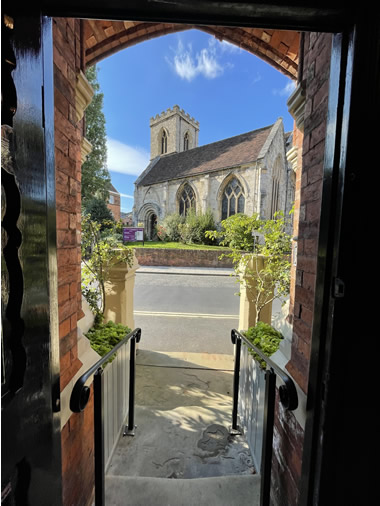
186 312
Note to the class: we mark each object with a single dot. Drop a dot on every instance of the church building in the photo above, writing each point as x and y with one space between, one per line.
247 173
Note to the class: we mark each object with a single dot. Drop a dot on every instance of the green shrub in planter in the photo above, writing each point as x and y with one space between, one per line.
104 336
264 337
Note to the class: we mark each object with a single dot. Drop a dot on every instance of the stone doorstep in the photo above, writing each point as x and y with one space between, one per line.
219 491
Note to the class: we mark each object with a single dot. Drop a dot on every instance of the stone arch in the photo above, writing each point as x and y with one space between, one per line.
149 214
221 193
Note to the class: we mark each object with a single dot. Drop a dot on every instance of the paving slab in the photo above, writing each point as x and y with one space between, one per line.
225 491
183 413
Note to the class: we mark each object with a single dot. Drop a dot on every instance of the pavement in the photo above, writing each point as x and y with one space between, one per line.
198 271
182 453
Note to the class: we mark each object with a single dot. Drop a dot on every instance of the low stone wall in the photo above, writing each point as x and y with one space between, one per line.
181 257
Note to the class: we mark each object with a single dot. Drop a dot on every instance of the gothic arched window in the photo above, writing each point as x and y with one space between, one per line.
186 200
275 189
186 141
233 200
164 143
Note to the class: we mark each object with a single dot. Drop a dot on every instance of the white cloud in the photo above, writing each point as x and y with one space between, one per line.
126 159
189 65
227 47
257 78
286 90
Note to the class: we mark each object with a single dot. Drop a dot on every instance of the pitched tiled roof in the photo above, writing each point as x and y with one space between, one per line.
231 152
112 188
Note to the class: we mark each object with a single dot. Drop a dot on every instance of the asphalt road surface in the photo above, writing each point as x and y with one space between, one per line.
186 312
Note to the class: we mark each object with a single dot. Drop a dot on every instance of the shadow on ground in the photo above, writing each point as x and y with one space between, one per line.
183 413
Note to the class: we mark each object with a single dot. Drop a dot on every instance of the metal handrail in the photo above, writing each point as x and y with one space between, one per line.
288 398
80 396
81 393
287 391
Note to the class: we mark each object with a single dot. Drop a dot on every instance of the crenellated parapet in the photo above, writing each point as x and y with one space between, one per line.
175 125
170 112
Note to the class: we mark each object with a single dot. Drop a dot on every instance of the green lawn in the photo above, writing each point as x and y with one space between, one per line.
172 245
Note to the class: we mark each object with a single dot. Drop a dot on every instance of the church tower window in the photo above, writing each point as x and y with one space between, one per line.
233 200
186 141
186 200
164 143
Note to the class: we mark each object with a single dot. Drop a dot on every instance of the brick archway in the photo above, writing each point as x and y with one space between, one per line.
279 48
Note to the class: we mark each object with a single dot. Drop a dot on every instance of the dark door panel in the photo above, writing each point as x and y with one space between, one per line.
31 461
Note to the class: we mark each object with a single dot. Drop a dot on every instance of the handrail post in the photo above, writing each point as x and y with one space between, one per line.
235 429
99 438
266 455
130 428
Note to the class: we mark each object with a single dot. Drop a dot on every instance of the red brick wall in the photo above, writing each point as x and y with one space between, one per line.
115 207
317 58
181 257
288 435
77 446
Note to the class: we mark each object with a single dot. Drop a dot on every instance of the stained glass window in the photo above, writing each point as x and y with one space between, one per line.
186 200
233 200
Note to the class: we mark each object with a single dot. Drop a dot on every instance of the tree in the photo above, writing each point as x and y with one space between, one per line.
99 253
95 176
98 211
252 240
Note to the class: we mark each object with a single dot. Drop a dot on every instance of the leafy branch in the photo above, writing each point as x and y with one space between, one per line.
100 251
260 252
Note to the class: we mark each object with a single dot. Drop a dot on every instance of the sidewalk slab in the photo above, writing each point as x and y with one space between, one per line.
197 271
186 360
224 491
182 415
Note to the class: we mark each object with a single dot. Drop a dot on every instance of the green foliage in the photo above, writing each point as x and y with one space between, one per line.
168 229
193 230
236 231
189 230
271 278
95 175
264 337
99 254
98 211
103 337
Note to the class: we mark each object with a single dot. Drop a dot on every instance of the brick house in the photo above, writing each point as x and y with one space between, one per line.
335 106
114 202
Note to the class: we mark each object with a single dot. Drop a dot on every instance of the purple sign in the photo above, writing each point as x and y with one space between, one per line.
133 234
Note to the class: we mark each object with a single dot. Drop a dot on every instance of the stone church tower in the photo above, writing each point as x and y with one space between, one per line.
172 131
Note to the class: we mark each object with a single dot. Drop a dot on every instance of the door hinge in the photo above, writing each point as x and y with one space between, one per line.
43 105
339 288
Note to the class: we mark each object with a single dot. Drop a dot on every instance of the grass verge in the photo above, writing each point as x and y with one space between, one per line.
173 245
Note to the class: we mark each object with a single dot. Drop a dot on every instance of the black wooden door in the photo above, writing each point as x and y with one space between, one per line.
31 461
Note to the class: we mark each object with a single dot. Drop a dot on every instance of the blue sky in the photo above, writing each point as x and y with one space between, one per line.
228 90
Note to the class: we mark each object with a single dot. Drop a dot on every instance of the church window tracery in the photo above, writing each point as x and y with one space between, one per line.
275 189
233 199
186 200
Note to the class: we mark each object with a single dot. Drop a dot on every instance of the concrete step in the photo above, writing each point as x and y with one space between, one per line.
217 491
